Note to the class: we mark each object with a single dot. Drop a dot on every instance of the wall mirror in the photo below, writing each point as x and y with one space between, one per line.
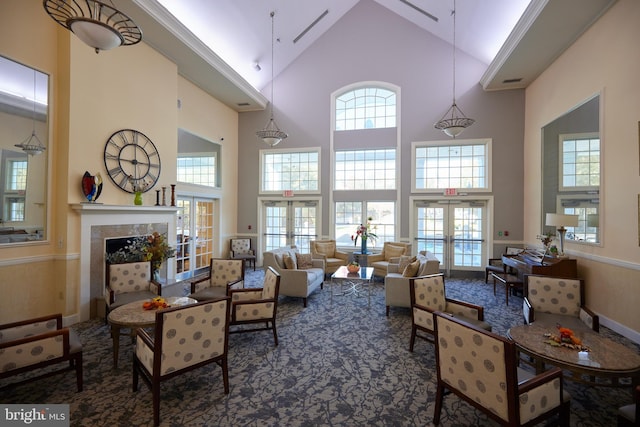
24 107
571 178
198 160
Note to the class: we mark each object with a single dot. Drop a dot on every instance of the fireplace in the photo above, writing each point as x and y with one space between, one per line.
100 223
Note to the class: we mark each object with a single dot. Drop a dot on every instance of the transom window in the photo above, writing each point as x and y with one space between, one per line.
460 166
580 166
365 170
290 170
365 108
199 170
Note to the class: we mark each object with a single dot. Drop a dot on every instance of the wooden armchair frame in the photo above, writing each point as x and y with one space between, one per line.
223 276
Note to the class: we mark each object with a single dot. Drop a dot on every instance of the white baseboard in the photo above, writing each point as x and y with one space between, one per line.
620 329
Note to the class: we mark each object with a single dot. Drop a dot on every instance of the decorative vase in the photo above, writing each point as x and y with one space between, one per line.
353 268
137 199
363 245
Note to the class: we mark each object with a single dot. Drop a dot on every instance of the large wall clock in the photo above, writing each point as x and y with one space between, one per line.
132 160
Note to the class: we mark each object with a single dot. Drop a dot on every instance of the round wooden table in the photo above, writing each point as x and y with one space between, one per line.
134 317
604 364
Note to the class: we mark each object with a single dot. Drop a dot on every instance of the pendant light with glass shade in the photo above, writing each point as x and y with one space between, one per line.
32 145
271 134
454 121
98 24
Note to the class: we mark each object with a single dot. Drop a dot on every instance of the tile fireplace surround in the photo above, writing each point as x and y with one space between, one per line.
100 222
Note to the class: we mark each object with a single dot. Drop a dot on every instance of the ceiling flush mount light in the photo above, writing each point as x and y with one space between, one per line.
98 24
271 134
32 145
454 121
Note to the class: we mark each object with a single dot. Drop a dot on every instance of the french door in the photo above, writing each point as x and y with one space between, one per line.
195 234
289 222
454 231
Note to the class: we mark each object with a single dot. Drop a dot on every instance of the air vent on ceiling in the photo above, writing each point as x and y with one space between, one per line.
422 11
322 15
243 104
512 80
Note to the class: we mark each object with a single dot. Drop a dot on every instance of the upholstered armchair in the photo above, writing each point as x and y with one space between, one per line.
326 250
37 343
185 337
257 305
428 296
224 275
481 368
390 250
241 249
557 300
495 265
128 283
629 415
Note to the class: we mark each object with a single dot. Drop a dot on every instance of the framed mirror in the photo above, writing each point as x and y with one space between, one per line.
24 119
571 178
198 160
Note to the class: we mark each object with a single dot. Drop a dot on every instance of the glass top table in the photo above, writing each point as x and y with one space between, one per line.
355 282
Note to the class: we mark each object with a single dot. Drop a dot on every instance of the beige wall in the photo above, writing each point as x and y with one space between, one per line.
94 95
602 60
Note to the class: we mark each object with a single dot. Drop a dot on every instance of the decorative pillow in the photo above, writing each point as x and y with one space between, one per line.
411 270
393 251
304 261
289 262
279 260
404 261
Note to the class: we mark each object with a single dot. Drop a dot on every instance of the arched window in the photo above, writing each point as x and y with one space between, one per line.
366 108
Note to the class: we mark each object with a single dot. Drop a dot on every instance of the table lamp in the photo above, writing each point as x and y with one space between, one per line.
560 221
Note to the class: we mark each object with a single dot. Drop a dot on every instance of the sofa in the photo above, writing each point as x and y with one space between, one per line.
326 250
396 282
390 250
297 279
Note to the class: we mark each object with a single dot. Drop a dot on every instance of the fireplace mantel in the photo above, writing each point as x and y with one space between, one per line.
99 221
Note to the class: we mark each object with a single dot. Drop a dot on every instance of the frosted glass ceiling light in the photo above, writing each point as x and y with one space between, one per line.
271 134
98 24
454 121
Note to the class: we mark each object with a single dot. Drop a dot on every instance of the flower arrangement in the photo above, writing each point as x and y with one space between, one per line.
565 338
152 248
546 238
364 232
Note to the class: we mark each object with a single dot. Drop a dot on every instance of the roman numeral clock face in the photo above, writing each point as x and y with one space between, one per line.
132 160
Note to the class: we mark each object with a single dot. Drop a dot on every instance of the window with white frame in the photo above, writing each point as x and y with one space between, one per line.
461 165
199 170
365 169
290 170
349 215
580 165
365 108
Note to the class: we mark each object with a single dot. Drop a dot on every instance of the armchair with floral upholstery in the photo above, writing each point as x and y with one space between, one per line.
327 250
390 250
241 249
185 338
224 275
38 343
481 368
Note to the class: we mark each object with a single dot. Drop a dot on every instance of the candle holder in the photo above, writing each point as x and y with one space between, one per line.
173 194
164 196
157 197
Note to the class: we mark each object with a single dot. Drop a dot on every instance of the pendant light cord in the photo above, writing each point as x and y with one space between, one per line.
454 51
272 43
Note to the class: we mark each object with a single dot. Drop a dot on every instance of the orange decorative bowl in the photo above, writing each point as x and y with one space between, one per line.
353 268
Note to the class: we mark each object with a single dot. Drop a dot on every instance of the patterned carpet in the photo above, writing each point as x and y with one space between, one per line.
338 363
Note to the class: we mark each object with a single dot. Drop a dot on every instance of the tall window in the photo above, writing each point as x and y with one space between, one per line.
365 170
290 170
199 170
580 166
15 186
461 166
349 215
365 108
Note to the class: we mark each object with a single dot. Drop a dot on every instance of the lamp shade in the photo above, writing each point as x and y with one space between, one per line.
561 220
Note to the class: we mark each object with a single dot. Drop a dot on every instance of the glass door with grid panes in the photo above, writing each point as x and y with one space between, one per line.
455 232
195 234
289 222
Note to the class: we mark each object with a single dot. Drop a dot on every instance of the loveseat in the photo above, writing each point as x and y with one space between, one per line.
396 282
300 274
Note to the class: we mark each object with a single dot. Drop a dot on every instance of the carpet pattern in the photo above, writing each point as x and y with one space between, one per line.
338 363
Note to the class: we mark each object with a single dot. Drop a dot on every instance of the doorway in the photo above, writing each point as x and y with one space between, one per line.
195 234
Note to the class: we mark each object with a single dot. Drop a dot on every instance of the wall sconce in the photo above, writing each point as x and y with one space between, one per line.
560 221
